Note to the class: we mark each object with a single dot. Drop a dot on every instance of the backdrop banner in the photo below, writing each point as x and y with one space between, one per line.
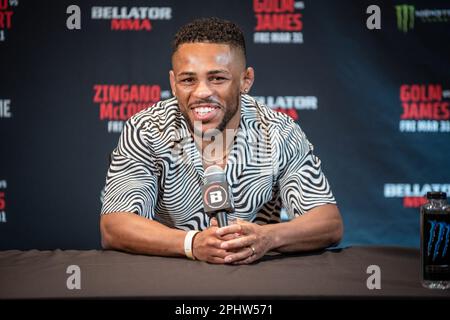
370 87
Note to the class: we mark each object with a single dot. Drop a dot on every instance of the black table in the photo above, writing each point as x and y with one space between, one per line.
336 273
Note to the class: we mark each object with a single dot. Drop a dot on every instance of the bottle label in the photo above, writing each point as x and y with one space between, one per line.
435 246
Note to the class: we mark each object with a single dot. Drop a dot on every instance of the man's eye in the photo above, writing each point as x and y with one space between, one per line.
218 79
187 80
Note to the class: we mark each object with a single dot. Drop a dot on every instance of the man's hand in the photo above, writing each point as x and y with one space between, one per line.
207 245
248 242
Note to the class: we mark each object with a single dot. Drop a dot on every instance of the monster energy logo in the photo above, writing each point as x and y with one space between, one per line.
438 228
405 17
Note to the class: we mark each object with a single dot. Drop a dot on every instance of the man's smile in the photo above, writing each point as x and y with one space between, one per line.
205 112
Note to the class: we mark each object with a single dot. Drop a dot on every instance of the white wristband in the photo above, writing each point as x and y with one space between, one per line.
188 244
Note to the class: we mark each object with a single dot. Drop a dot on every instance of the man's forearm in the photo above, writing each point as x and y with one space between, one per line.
319 228
132 233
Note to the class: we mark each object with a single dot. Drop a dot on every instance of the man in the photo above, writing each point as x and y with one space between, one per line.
153 202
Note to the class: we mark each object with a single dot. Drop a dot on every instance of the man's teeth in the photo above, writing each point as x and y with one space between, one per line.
203 110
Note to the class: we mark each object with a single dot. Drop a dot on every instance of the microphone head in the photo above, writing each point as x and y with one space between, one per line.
214 174
217 194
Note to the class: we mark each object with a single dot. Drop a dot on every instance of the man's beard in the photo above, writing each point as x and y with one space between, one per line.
229 114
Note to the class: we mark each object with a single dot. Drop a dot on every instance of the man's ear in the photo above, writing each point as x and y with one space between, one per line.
247 80
172 82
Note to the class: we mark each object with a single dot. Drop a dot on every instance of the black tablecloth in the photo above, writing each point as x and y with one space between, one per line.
337 273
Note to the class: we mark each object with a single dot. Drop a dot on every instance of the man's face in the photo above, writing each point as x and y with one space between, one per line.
207 79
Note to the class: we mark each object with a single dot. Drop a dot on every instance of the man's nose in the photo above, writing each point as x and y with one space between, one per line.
202 90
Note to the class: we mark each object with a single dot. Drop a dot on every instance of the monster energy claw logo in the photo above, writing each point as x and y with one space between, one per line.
405 17
441 228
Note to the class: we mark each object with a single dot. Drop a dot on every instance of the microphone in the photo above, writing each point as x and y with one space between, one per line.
217 196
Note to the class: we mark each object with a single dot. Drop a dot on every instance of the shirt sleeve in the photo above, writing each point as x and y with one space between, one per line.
303 185
131 181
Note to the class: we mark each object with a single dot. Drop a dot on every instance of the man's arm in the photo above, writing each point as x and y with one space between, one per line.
133 233
318 228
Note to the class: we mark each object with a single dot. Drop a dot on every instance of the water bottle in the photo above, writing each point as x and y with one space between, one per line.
434 241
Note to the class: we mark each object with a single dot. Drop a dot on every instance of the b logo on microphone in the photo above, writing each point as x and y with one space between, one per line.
215 196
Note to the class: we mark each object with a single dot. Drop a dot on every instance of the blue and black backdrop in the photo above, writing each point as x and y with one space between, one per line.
374 102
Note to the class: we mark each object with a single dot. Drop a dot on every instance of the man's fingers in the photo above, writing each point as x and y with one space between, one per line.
238 243
246 261
229 244
216 260
219 253
218 256
241 227
213 222
234 228
240 255
228 237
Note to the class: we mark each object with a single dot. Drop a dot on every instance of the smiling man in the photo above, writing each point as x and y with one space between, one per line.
153 200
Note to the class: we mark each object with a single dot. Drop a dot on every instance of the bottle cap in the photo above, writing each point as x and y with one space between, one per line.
436 195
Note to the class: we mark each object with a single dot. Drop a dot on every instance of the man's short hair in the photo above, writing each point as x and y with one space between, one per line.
213 30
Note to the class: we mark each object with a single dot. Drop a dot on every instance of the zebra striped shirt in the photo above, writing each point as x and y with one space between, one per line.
156 169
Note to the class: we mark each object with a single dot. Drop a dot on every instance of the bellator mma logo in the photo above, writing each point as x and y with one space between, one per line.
413 195
425 108
6 13
289 104
133 19
3 186
117 103
278 21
